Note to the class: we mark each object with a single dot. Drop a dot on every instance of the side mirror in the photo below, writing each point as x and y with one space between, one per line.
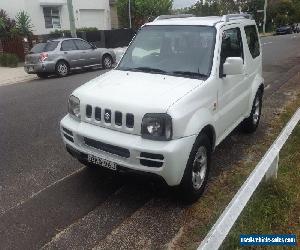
233 66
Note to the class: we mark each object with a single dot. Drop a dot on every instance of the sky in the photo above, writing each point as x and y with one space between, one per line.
183 3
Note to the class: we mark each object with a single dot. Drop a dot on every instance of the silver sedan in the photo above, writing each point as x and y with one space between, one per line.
60 56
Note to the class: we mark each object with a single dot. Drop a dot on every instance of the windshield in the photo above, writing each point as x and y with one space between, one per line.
177 50
44 47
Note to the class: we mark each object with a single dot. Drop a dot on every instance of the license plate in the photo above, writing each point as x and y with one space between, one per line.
102 162
30 69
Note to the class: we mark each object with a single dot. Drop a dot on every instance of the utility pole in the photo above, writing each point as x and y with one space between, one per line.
265 16
71 18
129 13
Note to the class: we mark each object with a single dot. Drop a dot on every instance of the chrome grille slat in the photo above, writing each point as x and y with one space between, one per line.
109 117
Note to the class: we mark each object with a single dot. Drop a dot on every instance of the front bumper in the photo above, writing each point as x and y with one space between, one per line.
40 67
175 152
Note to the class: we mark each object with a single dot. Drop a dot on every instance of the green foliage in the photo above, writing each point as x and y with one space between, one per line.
279 11
8 60
6 24
23 24
142 11
84 29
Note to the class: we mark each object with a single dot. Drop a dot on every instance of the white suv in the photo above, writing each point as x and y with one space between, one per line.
182 86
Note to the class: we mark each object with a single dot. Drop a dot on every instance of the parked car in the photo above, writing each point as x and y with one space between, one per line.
60 56
181 87
296 28
283 30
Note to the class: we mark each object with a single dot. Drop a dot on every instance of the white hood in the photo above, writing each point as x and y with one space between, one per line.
131 91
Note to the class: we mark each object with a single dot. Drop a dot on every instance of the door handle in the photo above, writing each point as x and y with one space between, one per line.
65 52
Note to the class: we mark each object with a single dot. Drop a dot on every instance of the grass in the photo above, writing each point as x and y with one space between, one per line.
275 206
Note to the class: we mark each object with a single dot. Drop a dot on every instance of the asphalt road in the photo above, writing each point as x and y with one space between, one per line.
43 191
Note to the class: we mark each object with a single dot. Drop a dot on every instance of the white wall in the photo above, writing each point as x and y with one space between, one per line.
12 6
35 10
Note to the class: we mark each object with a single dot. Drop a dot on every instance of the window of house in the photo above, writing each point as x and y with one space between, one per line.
52 17
252 40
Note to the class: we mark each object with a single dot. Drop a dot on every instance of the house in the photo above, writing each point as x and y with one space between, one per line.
49 15
114 14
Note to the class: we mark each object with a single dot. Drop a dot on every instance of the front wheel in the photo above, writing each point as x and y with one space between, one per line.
107 62
197 169
250 124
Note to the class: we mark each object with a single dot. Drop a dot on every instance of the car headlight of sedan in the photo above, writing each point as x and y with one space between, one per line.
157 127
74 106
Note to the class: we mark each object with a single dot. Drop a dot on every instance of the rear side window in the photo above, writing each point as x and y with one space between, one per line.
68 45
82 45
232 45
50 46
252 40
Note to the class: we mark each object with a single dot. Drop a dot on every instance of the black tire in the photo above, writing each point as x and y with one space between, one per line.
107 62
250 124
190 188
42 75
62 69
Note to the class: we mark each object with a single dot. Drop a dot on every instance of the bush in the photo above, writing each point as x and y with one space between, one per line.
85 29
9 60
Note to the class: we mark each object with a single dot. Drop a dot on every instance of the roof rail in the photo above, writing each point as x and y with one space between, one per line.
162 17
226 18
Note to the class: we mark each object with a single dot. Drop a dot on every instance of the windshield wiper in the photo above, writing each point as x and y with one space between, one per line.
189 73
148 69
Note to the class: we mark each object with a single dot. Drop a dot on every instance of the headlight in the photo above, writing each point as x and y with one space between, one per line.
157 127
74 106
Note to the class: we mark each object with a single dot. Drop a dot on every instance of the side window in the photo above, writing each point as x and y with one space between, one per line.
232 45
252 40
68 45
82 45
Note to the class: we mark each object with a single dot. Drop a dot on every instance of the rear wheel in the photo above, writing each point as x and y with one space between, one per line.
62 68
107 62
250 124
197 169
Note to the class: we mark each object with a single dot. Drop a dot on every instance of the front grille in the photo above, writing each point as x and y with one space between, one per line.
98 114
89 111
109 116
118 118
123 152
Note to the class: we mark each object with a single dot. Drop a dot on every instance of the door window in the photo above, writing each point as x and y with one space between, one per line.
252 40
232 45
68 45
82 45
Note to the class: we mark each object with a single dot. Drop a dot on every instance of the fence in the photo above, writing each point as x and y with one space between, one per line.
14 45
267 168
101 38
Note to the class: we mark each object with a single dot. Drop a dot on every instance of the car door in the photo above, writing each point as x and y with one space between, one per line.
87 53
233 93
70 53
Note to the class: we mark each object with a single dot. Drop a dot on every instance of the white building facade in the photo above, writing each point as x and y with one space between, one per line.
49 15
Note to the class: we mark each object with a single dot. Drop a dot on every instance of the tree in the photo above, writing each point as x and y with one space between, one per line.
6 24
142 11
23 24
